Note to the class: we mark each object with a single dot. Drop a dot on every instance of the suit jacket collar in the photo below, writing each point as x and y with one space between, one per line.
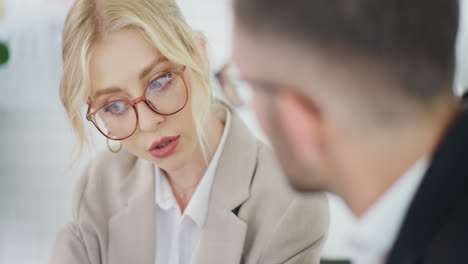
439 194
132 229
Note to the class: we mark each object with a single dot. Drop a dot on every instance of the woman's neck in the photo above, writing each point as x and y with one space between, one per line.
185 180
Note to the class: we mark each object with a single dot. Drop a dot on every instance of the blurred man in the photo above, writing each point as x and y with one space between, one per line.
356 98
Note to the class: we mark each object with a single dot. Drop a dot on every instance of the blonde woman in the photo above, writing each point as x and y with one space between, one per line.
187 182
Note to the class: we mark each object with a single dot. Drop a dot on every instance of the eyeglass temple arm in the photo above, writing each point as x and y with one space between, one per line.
88 112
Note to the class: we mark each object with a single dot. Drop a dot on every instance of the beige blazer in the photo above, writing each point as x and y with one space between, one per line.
253 215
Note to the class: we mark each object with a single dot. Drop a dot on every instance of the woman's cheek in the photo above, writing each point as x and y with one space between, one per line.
132 146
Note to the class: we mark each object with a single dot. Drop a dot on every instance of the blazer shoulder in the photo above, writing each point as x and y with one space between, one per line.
97 188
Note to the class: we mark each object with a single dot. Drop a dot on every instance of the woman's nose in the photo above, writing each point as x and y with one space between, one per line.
148 120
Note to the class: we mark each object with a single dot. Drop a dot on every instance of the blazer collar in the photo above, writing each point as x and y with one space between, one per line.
132 230
224 233
439 193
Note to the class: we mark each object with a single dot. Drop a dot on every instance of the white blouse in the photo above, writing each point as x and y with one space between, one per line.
178 235
377 230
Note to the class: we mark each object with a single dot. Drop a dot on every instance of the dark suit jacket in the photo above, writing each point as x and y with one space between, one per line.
435 229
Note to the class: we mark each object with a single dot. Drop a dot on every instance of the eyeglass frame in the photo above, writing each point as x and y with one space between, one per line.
224 81
92 116
272 90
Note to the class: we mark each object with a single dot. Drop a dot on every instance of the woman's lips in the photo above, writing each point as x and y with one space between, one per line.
167 145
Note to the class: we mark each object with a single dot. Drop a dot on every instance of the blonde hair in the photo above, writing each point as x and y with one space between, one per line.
160 21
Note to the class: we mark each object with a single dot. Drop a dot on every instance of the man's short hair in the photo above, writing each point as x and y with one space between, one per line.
414 38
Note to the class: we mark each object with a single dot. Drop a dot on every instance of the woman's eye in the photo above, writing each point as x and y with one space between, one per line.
116 108
160 83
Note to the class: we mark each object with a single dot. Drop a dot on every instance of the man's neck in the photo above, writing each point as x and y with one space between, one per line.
387 160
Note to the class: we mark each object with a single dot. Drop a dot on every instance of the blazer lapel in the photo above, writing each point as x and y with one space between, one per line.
132 229
438 195
224 233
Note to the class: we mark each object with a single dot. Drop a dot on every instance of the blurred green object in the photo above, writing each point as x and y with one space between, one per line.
4 53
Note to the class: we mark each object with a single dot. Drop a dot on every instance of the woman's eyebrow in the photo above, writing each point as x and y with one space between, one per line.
142 75
148 68
109 90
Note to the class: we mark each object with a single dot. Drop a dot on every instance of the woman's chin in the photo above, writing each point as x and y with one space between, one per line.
173 162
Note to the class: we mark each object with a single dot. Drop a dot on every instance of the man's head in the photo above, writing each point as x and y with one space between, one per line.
333 79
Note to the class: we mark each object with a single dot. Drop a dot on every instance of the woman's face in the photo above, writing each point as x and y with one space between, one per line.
123 66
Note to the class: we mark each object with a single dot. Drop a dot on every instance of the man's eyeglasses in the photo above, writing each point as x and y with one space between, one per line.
235 90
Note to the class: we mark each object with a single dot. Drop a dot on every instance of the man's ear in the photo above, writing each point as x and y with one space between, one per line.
302 126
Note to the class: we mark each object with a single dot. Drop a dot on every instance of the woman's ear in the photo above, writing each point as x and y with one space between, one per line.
200 38
201 42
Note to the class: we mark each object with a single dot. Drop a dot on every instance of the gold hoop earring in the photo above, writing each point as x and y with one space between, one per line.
113 150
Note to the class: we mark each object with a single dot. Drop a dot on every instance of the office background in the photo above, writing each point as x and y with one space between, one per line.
36 140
